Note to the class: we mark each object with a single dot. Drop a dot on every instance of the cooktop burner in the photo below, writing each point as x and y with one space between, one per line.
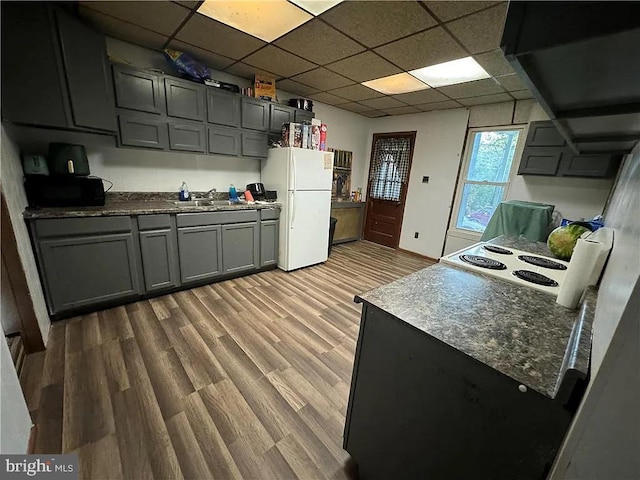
483 262
496 249
536 278
542 262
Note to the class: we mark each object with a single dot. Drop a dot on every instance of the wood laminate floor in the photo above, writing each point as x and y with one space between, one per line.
247 378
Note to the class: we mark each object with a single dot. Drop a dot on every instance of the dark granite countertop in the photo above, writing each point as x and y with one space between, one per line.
137 203
513 329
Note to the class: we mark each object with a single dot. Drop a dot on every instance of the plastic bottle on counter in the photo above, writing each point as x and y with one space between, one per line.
184 192
233 194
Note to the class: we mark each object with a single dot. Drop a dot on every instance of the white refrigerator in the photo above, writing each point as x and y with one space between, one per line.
303 179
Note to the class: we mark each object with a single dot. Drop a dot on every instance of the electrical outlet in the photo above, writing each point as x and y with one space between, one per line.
425 179
415 235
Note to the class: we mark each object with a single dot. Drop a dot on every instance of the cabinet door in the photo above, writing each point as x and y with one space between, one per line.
184 99
159 260
540 161
137 90
200 253
84 55
254 144
279 114
303 116
223 108
187 136
223 140
255 114
143 131
574 165
269 231
239 247
83 271
544 134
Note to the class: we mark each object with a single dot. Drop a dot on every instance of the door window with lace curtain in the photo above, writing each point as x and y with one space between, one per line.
390 168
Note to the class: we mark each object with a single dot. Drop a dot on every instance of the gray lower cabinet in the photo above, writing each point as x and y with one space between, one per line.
200 253
240 247
187 136
255 114
254 144
138 90
185 99
269 242
224 140
86 270
223 108
159 259
143 131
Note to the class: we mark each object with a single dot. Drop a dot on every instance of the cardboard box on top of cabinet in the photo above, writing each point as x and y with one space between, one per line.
265 87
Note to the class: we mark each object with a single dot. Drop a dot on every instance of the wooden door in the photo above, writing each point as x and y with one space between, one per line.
391 155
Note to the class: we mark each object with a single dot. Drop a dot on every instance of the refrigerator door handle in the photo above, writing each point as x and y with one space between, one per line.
292 203
293 169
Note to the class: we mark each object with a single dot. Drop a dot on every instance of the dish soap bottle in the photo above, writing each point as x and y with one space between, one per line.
233 194
184 192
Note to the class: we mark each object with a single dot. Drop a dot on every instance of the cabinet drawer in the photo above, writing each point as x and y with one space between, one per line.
57 227
185 99
143 131
154 222
270 213
215 218
187 136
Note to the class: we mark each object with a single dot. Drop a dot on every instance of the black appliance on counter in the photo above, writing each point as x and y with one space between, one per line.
64 191
257 190
68 159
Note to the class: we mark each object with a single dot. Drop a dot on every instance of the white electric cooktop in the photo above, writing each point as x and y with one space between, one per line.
541 273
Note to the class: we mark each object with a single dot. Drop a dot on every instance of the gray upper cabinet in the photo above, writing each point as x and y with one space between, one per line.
137 90
279 114
185 99
87 270
159 259
200 253
540 161
223 108
255 114
224 140
143 131
254 144
544 134
597 166
187 136
303 116
240 247
53 70
269 242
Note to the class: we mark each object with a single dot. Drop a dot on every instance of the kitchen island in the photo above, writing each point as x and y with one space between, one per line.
461 375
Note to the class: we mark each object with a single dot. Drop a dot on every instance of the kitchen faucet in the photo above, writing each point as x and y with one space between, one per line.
210 193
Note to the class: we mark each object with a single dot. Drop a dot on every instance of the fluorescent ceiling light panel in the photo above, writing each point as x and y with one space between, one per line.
451 73
394 84
265 19
316 7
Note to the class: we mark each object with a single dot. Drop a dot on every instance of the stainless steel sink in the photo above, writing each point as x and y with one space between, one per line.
194 203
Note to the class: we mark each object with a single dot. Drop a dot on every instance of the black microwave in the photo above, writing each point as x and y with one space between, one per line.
63 191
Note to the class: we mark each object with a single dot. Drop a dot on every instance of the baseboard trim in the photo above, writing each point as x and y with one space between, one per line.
431 259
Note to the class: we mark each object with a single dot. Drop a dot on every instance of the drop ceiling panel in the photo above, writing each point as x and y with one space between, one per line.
482 31
495 98
494 62
422 49
511 82
188 3
521 94
422 96
364 66
160 17
374 23
374 114
113 27
319 43
383 103
472 89
276 60
402 110
328 98
296 88
439 106
446 11
216 37
356 93
210 59
356 107
322 79
248 71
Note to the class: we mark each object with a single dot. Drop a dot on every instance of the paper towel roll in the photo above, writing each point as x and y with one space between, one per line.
579 273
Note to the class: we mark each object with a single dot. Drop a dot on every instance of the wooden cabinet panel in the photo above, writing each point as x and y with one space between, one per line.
223 108
269 231
137 90
350 218
185 99
240 247
159 259
187 136
200 253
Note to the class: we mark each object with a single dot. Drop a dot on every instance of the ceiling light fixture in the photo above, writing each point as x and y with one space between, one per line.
316 7
265 19
451 73
395 84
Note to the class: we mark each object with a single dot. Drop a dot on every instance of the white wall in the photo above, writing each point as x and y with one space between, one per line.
439 141
15 422
16 203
